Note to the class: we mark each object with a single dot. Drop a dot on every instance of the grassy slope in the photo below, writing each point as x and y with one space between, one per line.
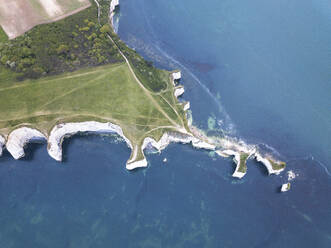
105 93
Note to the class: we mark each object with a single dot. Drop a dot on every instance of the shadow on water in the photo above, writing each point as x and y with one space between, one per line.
260 167
6 156
31 149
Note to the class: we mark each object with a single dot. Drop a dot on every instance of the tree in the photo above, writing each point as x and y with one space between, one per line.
105 29
62 49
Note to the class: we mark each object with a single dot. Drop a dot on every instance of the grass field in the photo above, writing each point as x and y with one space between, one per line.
106 93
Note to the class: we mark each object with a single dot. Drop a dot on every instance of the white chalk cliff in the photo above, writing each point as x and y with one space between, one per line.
2 143
267 164
60 131
236 160
285 187
113 5
179 91
18 138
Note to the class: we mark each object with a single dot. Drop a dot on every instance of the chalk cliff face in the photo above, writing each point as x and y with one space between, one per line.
18 138
2 143
113 5
176 137
179 91
60 131
166 139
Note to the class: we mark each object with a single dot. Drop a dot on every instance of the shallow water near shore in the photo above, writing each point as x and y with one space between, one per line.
256 89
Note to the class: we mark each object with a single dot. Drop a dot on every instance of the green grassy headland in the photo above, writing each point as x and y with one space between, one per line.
69 71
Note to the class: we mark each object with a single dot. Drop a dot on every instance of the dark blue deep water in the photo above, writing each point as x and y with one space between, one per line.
259 70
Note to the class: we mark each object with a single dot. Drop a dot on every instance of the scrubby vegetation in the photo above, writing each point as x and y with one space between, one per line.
144 70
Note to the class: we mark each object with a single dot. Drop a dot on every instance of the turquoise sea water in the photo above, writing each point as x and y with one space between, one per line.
261 69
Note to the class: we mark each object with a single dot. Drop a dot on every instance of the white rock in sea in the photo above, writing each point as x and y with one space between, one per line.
2 143
236 160
60 131
165 160
18 138
136 164
285 187
290 175
179 91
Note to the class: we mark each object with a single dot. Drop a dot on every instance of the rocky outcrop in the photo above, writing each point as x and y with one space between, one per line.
137 164
60 131
236 160
232 147
2 143
285 187
18 138
174 137
166 139
267 163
